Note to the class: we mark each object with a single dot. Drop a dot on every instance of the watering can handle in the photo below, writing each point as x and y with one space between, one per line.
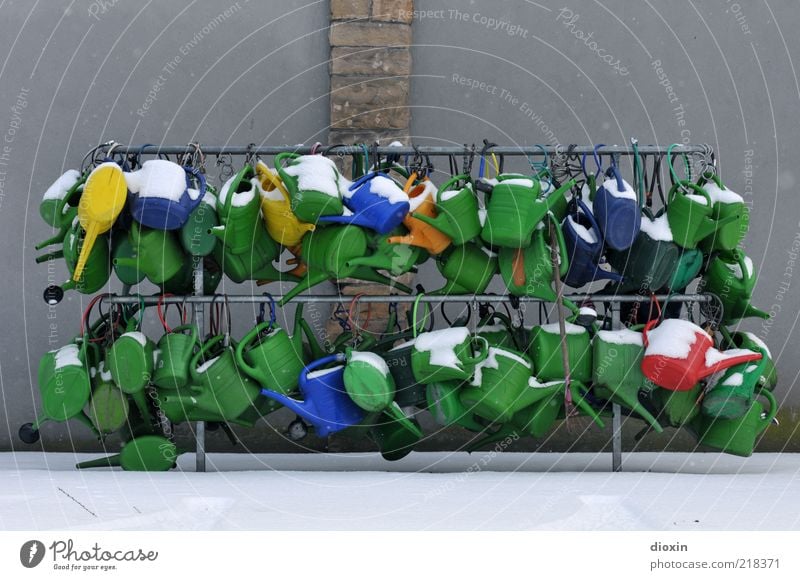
281 156
195 172
647 328
773 408
190 327
243 172
203 349
483 353
271 179
246 340
321 362
588 213
363 179
617 177
455 179
696 189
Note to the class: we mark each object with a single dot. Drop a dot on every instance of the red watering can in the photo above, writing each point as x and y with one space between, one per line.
679 354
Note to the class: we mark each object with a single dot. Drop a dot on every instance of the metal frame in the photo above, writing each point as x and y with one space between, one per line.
534 150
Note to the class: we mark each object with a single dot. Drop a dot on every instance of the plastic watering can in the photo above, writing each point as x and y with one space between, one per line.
58 198
617 212
196 234
584 244
104 195
270 356
282 225
677 408
731 277
368 381
447 354
733 393
157 253
689 265
144 453
515 207
163 193
397 259
421 233
97 267
738 436
376 202
328 252
313 185
326 404
726 203
457 211
690 214
537 419
468 269
408 391
679 354
545 351
500 385
108 406
131 361
123 252
68 217
239 210
396 434
749 341
175 350
64 383
444 403
253 265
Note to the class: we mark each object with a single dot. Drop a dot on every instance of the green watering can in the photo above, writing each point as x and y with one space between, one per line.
726 204
498 330
690 262
733 393
368 381
197 234
157 253
738 436
175 350
108 406
545 351
313 185
144 453
271 357
468 269
327 253
239 211
65 191
690 212
122 252
253 265
652 259
397 259
537 419
408 391
447 354
131 360
500 385
617 360
749 341
515 207
677 408
395 433
730 276
444 403
457 210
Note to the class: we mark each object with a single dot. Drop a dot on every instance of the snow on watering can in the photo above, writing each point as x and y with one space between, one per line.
239 210
326 404
420 233
447 354
690 214
679 354
375 202
733 392
282 225
368 381
725 203
313 185
617 212
468 269
584 244
748 340
397 259
163 193
738 436
457 211
60 197
730 277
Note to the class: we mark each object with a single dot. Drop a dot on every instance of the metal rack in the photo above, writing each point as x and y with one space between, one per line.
535 150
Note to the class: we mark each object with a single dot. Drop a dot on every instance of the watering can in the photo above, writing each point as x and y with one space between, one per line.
584 245
498 329
408 391
196 235
690 214
726 203
396 434
730 276
376 202
444 403
368 381
60 196
499 386
157 253
732 394
514 208
175 350
326 404
679 354
282 225
397 259
163 193
104 196
254 265
652 260
447 354
545 351
738 436
108 405
271 357
67 219
468 269
676 408
327 253
123 252
97 266
748 340
421 233
239 212
131 361
457 210
617 212
144 453
313 185
617 360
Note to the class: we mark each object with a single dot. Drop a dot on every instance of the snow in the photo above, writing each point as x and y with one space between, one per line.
534 383
488 252
735 380
158 178
587 235
737 269
750 368
610 185
673 338
697 198
721 194
441 344
525 182
387 188
587 311
658 229
491 362
315 172
323 372
209 199
206 365
760 343
241 198
449 194
60 187
68 355
137 336
714 356
371 359
622 336
569 328
491 328
486 490
428 192
482 216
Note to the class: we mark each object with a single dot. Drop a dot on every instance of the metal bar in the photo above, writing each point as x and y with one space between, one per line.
200 426
616 437
333 299
424 150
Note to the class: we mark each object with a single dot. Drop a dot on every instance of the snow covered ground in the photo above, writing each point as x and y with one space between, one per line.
438 491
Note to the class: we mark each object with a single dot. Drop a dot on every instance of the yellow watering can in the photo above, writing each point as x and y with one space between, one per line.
104 196
282 225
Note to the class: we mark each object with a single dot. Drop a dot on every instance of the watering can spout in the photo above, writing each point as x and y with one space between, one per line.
557 196
304 284
440 222
373 276
731 361
126 262
751 310
218 231
357 219
374 261
110 461
302 408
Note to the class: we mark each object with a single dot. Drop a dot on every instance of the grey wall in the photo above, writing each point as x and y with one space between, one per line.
80 72
729 68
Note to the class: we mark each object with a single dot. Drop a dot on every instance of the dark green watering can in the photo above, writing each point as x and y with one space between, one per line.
395 433
499 387
730 276
457 211
444 403
197 234
397 259
313 185
256 264
733 393
123 252
738 436
749 341
468 269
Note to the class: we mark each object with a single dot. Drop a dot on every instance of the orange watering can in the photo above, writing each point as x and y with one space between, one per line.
422 234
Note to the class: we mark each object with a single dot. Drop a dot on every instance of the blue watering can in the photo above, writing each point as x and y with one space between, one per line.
584 244
163 193
377 203
326 404
617 211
